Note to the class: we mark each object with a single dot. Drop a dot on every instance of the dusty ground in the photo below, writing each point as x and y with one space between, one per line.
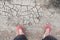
33 15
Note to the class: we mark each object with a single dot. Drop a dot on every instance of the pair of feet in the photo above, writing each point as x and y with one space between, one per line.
47 30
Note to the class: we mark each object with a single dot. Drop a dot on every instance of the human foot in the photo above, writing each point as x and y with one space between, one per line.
47 30
20 30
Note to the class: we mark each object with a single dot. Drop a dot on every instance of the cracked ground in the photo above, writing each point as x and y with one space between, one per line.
32 15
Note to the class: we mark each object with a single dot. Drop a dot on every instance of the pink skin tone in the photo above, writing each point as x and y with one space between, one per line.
21 32
46 33
47 30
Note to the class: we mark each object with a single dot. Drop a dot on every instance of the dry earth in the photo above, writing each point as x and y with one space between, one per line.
32 15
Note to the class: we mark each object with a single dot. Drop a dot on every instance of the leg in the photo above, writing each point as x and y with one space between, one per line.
49 38
21 34
47 32
20 37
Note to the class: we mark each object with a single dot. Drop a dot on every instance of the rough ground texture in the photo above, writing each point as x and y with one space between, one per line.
32 15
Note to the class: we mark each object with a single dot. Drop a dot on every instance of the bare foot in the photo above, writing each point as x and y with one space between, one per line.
47 30
20 30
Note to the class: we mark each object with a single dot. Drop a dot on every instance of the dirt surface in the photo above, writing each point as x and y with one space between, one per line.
32 15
